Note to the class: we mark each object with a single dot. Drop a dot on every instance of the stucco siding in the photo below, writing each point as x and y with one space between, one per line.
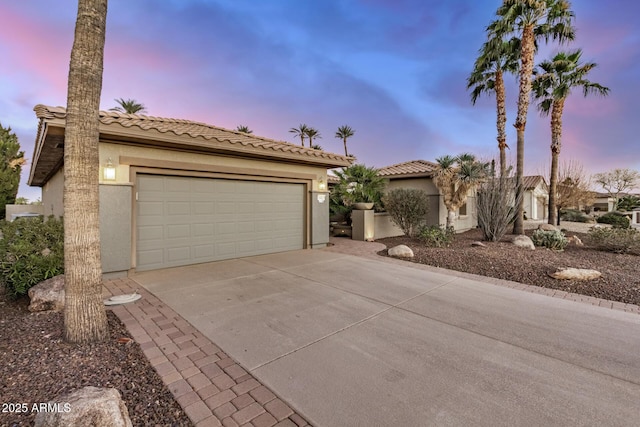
52 195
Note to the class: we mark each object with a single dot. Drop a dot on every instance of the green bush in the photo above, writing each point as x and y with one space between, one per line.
616 219
436 236
31 250
618 240
573 215
408 207
555 240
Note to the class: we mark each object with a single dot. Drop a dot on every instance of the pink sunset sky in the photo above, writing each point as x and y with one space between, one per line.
393 70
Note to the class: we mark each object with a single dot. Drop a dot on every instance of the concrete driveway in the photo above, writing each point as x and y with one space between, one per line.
350 341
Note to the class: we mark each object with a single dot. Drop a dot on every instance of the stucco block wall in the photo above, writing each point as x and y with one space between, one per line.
22 209
385 227
319 219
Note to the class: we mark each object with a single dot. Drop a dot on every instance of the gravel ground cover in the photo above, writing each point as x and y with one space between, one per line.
620 280
37 366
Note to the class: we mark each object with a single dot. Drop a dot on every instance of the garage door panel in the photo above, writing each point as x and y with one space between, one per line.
184 220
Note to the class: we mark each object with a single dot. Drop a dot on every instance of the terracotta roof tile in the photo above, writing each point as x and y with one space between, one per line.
414 167
215 135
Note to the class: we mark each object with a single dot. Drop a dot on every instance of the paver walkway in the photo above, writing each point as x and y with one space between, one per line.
211 387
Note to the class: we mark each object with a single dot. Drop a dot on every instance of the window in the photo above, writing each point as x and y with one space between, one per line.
463 210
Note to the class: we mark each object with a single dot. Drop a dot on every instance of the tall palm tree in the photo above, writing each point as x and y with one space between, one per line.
312 133
85 318
497 56
129 106
300 132
551 86
244 129
456 177
345 132
530 20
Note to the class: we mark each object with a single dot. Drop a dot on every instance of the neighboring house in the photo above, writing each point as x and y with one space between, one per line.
536 197
419 174
603 202
176 192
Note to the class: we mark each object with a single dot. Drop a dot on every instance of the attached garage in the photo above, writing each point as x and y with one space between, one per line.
187 220
175 192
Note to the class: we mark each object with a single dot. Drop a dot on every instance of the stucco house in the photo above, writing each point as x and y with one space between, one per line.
536 197
419 174
177 192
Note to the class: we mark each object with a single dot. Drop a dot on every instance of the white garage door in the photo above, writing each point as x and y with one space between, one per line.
186 220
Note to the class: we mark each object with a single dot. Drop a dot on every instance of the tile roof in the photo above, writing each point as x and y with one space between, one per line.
176 133
407 169
532 181
179 127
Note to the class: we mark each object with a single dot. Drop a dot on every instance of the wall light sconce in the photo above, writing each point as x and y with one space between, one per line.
109 171
321 184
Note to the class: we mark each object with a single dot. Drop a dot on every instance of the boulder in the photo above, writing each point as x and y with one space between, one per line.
88 406
479 244
575 274
401 251
548 227
48 295
575 240
523 241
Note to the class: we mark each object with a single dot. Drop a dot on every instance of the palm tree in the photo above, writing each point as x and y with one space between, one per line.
456 177
497 56
301 132
244 129
359 183
129 106
317 147
552 84
530 20
345 132
85 318
312 133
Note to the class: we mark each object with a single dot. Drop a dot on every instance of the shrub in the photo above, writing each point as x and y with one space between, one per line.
573 215
495 203
408 208
436 236
618 240
31 250
616 219
555 240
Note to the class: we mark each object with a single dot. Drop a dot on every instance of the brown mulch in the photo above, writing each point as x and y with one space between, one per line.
620 279
36 366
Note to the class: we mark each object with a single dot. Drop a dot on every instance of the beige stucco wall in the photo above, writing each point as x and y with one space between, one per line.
52 195
534 203
437 210
116 151
385 227
23 209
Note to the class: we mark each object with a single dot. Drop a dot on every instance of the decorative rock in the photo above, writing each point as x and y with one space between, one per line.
89 406
575 240
401 251
548 227
575 274
478 243
523 241
48 295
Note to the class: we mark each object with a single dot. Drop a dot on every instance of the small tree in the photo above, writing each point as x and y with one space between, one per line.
617 181
244 129
359 183
573 189
11 161
408 208
129 106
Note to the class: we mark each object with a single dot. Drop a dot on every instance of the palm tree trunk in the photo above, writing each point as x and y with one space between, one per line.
345 146
556 143
85 318
526 70
501 121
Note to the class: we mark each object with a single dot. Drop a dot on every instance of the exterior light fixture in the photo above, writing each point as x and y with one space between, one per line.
321 184
109 171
